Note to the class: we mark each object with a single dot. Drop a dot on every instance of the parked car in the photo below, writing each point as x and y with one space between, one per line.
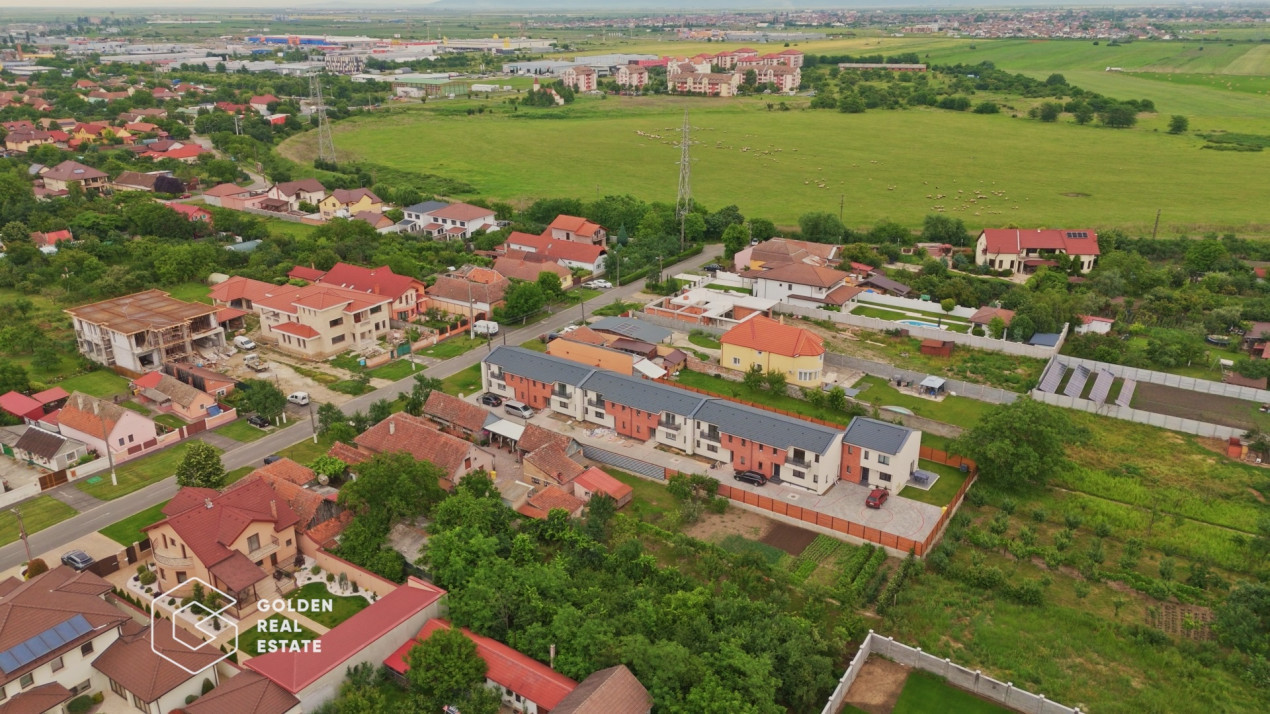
244 342
713 268
300 399
258 421
598 284
490 399
518 409
877 497
753 477
77 559
272 458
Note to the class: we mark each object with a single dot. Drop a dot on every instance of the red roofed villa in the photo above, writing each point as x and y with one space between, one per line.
1026 250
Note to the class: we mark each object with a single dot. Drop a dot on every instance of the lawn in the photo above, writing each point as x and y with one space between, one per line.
962 411
941 494
651 500
191 291
306 451
135 407
949 323
248 638
465 381
240 430
350 386
924 692
135 475
702 339
237 474
128 531
99 383
342 607
615 308
965 363
453 347
170 420
569 155
37 514
719 385
290 229
395 370
535 344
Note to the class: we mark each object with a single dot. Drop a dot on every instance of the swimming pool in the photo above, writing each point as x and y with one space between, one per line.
919 323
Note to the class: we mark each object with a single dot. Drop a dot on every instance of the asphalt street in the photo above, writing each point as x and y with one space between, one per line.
254 452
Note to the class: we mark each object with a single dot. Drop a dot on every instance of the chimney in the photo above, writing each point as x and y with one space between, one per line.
273 508
392 427
207 503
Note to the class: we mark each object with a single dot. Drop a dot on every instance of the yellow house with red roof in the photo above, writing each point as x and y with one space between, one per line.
797 353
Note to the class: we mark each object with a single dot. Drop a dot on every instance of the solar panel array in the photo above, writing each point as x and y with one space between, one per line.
1077 383
50 640
1077 234
1102 386
1126 392
1052 377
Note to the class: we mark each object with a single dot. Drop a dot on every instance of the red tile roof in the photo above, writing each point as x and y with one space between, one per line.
226 189
20 405
306 273
239 288
309 185
294 671
552 460
1013 241
984 315
73 171
91 415
52 394
414 435
764 333
320 296
521 268
245 693
556 249
573 224
535 437
193 213
462 212
800 274
132 662
609 691
210 531
508 668
353 195
449 409
554 497
596 481
225 314
376 281
37 700
296 329
348 454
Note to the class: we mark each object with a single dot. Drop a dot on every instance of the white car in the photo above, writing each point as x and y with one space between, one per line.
598 284
300 399
244 342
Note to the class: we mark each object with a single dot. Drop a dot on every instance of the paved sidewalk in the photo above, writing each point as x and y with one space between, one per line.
220 441
70 495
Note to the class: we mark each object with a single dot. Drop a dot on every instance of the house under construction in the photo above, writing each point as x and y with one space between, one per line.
143 331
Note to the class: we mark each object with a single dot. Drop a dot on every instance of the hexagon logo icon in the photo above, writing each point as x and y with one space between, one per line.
201 616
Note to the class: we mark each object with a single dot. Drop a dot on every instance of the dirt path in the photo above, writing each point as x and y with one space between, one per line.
713 528
878 686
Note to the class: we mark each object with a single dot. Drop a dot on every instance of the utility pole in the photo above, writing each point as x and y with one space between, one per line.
313 421
1157 223
683 204
326 144
22 534
842 199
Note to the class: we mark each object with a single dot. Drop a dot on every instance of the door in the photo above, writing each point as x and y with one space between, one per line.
776 471
864 476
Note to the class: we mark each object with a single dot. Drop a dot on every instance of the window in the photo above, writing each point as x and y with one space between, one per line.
180 576
736 361
130 438
121 441
815 478
86 649
253 542
3 693
800 474
140 705
288 542
27 680
117 688
57 664
866 455
712 448
884 459
467 463
884 477
337 322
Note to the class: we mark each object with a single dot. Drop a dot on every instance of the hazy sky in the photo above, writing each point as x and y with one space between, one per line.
597 6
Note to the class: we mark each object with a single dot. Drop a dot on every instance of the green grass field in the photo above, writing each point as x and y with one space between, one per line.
100 383
136 474
738 390
463 382
240 430
453 347
651 501
250 636
342 607
192 291
395 370
962 411
924 692
37 514
128 531
941 494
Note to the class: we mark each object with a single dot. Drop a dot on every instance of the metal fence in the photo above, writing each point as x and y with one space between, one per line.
981 392
1191 384
626 463
1164 421
973 681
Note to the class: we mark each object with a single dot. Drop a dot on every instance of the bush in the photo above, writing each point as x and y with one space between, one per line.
718 505
35 567
1028 592
1008 505
1039 515
1102 529
976 497
81 704
1082 589
147 576
315 570
98 698
986 577
999 524
191 698
330 577
1072 520
207 685
171 601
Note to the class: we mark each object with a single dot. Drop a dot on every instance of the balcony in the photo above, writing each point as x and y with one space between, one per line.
711 436
668 426
595 405
557 394
263 551
172 562
797 462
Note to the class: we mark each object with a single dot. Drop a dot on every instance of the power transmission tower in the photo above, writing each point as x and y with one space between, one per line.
683 204
326 144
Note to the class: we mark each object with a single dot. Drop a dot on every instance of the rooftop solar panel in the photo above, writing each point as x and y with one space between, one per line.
47 641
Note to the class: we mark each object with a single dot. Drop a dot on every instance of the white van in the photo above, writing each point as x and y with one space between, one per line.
300 399
484 328
244 342
518 409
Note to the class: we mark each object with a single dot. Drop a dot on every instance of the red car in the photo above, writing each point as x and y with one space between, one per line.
877 498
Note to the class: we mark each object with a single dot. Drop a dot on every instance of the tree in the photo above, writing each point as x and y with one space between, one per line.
444 670
1019 443
1050 111
264 398
761 229
1083 114
821 227
1022 327
47 358
524 300
328 416
1178 124
1118 116
775 380
1242 620
35 567
735 238
380 410
393 486
948 305
1206 255
1056 80
201 467
551 286
996 327
754 377
328 466
945 229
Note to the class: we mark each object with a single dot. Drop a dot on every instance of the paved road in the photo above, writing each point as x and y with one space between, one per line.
253 452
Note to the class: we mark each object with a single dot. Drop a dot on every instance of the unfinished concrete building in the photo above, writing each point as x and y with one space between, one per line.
143 331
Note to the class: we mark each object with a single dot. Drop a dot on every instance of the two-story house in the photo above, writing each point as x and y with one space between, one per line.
470 291
294 193
349 202
233 540
417 437
320 321
1023 251
105 425
60 177
417 216
879 454
773 346
577 230
797 283
143 331
452 221
409 295
570 254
